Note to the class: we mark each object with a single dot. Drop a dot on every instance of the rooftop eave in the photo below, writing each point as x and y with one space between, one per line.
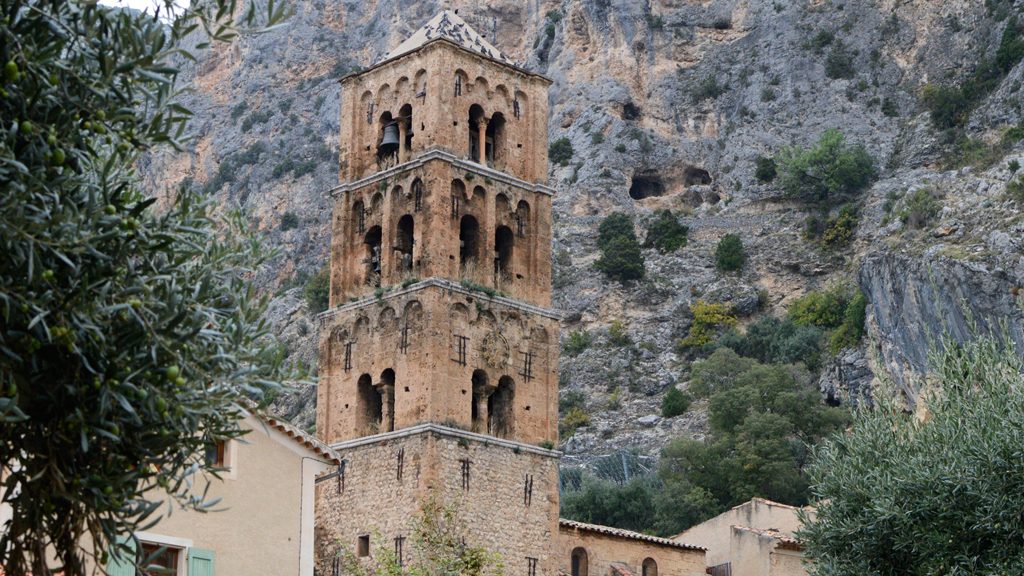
434 41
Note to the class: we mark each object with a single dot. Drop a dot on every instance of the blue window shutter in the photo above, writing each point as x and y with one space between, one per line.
126 565
200 562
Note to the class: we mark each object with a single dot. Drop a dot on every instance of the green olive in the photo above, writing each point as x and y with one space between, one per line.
11 72
173 372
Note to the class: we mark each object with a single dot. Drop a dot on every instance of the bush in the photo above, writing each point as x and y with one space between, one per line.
839 62
1015 190
618 334
947 104
820 40
596 138
707 319
829 169
708 88
666 233
823 309
579 340
729 254
575 418
289 220
560 151
572 399
621 258
675 403
920 207
773 341
766 169
851 330
318 291
839 228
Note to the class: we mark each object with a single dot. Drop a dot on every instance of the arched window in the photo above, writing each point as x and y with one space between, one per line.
522 218
469 245
359 216
481 391
650 567
503 241
372 242
404 242
477 127
580 563
405 123
499 409
417 195
387 400
369 406
387 139
495 149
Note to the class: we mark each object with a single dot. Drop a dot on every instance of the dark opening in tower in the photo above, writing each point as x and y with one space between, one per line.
495 149
499 408
469 245
372 242
478 411
386 388
503 244
476 118
406 124
369 408
404 240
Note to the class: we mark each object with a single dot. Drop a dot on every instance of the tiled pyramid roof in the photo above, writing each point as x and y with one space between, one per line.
449 25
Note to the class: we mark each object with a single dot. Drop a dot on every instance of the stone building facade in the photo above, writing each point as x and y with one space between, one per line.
439 353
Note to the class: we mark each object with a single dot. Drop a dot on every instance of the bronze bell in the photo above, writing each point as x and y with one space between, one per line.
389 143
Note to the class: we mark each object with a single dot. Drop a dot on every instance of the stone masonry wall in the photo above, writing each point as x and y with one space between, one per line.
603 550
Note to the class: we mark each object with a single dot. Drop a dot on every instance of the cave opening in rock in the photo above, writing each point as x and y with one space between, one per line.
646 184
631 111
694 176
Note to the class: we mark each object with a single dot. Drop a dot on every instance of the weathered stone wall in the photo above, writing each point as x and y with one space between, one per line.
604 550
508 501
423 84
716 534
457 210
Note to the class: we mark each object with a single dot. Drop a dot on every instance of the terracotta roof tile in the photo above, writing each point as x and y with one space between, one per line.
620 533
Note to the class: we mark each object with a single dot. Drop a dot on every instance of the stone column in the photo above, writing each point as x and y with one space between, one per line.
481 127
480 397
402 130
387 400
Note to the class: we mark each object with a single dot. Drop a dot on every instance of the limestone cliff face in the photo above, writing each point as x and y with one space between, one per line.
667 104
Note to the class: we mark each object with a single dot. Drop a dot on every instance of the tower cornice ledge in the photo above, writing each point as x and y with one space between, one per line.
441 430
444 155
444 284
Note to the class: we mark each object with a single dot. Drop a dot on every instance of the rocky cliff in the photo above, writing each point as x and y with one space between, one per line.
667 105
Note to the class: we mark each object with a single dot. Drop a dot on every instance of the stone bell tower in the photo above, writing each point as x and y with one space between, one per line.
439 353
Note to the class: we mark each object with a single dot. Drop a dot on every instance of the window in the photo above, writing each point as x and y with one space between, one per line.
580 564
650 567
363 546
216 454
158 559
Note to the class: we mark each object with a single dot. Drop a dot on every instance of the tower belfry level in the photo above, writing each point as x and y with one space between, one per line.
439 354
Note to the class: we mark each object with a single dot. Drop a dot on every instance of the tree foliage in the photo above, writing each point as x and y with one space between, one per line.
827 170
666 233
621 258
901 495
560 151
730 254
129 334
708 318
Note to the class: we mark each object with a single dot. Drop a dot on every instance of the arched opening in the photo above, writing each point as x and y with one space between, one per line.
405 130
694 176
522 218
404 243
646 184
477 127
469 246
499 408
580 563
387 400
370 407
503 240
387 140
458 193
650 567
417 195
359 217
495 148
372 242
481 392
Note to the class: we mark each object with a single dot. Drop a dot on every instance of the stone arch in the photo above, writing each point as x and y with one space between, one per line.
412 315
387 320
385 152
479 198
522 218
376 204
579 561
480 86
461 82
358 217
419 83
402 85
475 128
485 318
519 102
650 567
383 92
500 408
501 94
459 316
419 193
539 335
502 208
405 122
361 329
369 406
458 197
